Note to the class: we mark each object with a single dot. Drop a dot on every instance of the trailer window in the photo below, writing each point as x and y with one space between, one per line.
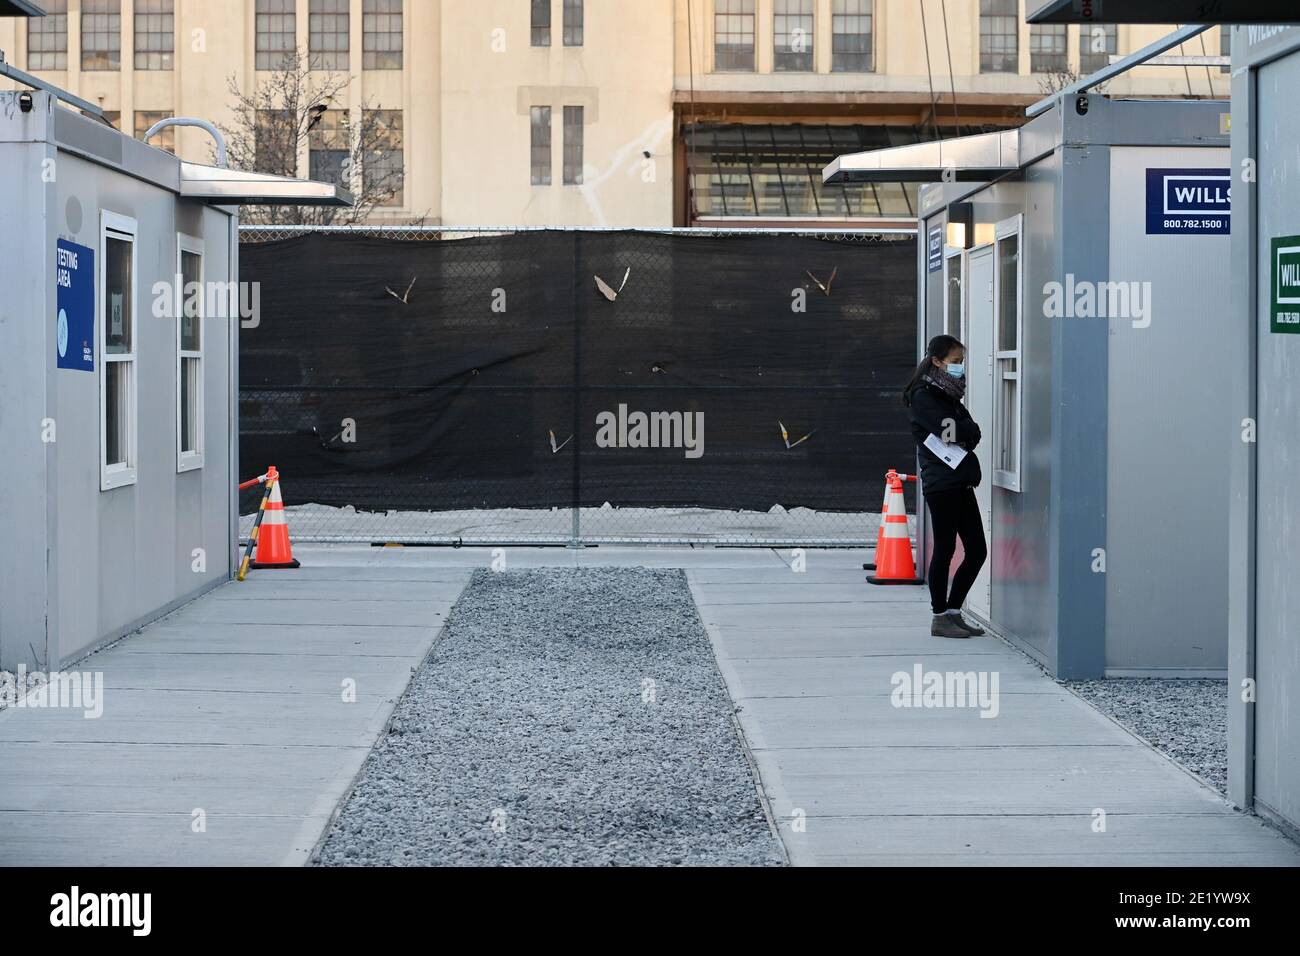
189 354
1007 356
117 381
953 260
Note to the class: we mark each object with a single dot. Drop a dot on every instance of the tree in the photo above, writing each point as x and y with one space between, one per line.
294 112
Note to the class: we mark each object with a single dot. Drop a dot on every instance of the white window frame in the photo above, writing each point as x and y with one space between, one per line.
1010 480
949 254
122 228
190 460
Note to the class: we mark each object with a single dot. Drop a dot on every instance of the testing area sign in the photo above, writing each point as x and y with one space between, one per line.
74 277
934 250
1189 202
1285 292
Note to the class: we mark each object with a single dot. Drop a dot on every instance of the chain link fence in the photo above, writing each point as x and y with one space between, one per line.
439 385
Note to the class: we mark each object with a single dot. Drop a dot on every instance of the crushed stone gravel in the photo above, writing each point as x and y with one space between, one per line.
564 717
17 684
1186 720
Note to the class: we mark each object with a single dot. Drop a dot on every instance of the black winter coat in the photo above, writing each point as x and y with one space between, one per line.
932 408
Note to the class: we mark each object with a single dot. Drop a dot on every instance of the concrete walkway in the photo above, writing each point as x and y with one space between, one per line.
854 780
234 706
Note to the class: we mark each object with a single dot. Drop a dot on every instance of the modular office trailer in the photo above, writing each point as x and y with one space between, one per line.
1090 287
111 515
117 385
1260 350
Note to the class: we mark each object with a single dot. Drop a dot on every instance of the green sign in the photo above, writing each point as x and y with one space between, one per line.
1286 285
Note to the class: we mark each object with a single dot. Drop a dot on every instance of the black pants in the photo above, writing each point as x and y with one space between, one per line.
954 514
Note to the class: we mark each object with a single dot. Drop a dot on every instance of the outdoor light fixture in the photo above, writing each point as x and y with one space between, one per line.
961 225
963 231
25 101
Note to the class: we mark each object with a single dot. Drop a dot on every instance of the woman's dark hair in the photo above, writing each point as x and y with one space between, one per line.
940 347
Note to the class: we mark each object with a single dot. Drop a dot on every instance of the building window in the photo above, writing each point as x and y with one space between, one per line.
381 35
189 355
328 145
1047 48
385 166
1097 42
775 170
101 34
327 34
276 28
851 49
540 119
573 17
573 145
154 33
999 36
144 121
733 35
47 38
275 147
792 32
1006 355
541 23
117 385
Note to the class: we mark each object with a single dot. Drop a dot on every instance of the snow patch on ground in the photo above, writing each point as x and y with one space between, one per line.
779 525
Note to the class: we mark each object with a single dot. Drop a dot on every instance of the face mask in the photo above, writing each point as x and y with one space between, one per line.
956 371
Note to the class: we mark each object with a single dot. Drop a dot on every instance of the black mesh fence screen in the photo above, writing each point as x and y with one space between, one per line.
485 389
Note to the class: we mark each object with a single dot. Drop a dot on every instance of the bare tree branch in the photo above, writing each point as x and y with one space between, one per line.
277 124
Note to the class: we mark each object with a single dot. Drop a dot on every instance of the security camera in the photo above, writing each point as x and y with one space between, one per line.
25 102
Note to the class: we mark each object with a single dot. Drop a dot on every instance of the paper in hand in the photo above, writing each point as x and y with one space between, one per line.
950 455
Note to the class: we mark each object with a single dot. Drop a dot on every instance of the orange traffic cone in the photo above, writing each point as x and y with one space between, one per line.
894 564
273 547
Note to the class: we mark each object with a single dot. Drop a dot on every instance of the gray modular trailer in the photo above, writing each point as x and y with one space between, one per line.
117 383
1087 273
1261 350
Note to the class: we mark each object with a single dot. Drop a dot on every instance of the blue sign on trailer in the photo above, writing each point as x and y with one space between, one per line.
1195 202
934 256
74 277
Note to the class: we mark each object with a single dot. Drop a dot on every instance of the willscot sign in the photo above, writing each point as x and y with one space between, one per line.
1185 202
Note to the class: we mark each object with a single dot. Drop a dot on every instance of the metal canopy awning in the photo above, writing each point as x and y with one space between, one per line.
21 8
233 187
1166 11
965 159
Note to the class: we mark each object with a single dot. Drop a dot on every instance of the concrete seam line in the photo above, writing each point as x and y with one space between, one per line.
294 859
735 722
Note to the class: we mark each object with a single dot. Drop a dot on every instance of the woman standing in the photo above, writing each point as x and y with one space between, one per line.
934 396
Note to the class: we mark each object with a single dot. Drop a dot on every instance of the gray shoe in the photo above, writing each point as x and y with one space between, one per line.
948 625
974 629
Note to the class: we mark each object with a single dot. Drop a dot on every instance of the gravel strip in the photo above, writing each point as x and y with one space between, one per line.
1183 719
17 684
565 717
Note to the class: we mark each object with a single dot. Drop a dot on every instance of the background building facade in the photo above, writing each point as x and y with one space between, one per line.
608 113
